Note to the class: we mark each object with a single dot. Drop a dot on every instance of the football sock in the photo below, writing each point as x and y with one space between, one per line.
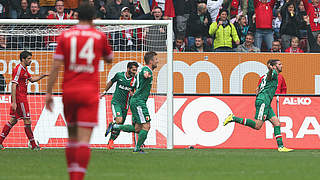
125 128
78 156
28 131
5 131
115 134
82 158
142 137
277 134
71 157
245 121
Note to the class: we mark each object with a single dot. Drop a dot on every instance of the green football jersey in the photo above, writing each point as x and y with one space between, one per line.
143 85
123 87
267 89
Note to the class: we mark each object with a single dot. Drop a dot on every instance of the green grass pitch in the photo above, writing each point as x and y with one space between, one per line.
218 164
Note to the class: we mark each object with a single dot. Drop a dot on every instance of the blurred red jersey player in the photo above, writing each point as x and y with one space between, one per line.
19 105
79 50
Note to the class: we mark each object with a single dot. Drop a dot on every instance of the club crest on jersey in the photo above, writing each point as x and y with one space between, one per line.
147 118
118 113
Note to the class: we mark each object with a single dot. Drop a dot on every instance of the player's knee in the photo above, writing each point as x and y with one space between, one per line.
27 121
137 129
119 120
13 121
146 126
259 125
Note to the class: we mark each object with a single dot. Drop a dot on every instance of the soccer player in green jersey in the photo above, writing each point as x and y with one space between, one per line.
140 114
125 85
267 89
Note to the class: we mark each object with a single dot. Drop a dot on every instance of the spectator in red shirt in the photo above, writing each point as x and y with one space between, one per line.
263 10
294 48
313 11
282 86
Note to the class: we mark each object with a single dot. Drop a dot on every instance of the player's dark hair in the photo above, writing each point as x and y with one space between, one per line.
58 1
272 62
133 63
86 11
25 54
149 56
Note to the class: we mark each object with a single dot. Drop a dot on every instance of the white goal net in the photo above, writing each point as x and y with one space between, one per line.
130 40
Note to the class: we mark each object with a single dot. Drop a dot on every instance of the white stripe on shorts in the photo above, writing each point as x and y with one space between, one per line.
141 116
261 110
113 111
23 110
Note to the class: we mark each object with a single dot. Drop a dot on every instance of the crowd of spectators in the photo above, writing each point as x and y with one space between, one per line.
291 26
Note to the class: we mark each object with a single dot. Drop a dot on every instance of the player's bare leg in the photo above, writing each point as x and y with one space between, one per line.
78 151
29 133
253 123
6 130
145 127
114 133
277 133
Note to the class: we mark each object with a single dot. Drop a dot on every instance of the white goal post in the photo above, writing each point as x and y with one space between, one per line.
22 34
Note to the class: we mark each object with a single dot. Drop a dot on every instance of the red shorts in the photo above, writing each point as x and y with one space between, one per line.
81 108
22 110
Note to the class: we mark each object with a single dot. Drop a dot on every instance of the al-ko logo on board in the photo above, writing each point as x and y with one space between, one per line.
297 101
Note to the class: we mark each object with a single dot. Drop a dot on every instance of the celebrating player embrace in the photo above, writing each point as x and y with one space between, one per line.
126 83
79 50
138 103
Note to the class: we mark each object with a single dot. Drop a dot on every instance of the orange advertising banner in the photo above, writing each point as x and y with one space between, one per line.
210 73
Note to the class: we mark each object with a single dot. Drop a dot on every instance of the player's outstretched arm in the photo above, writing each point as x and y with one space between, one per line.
38 78
108 86
52 79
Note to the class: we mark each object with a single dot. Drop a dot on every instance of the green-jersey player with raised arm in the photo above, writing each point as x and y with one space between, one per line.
264 111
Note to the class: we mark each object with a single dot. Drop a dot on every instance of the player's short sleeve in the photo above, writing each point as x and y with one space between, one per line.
15 77
59 55
115 78
144 70
107 49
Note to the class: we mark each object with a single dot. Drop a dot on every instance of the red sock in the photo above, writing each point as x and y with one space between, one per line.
71 156
5 131
28 131
81 155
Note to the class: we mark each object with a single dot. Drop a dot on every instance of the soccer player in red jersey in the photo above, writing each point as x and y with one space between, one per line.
19 102
79 50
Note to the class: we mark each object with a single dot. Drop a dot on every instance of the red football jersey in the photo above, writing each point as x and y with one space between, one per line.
20 76
81 48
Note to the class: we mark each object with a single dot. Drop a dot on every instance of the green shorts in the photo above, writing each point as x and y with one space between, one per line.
263 112
119 110
140 113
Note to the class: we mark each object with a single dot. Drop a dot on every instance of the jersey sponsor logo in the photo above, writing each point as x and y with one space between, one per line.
124 87
297 101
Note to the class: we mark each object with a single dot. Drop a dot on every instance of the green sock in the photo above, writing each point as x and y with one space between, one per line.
142 137
246 122
277 134
125 128
115 134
